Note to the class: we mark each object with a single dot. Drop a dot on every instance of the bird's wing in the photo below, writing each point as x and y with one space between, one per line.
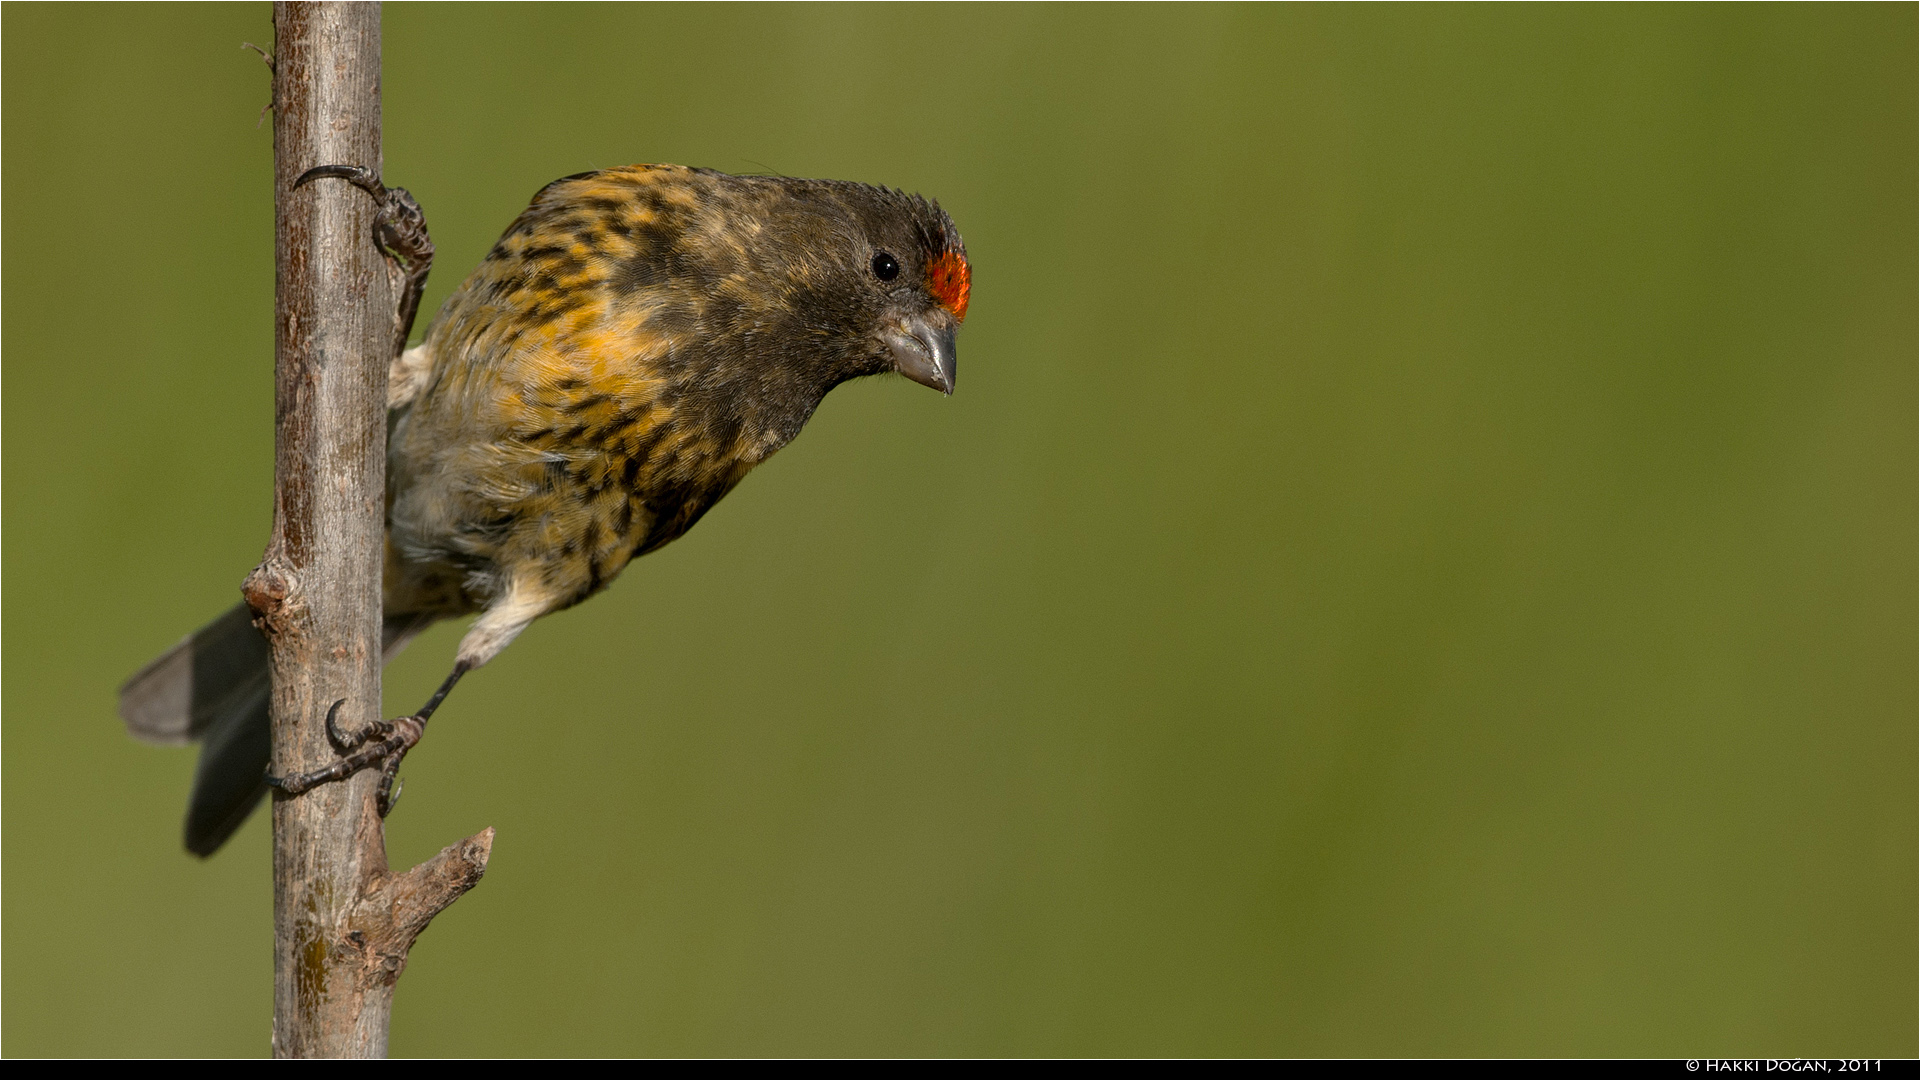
214 670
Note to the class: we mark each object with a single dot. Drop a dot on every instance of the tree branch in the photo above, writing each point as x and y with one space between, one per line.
342 921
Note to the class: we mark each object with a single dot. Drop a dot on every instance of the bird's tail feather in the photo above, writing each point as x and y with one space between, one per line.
213 687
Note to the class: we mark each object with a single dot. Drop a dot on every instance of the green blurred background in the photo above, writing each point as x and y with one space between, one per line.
1422 559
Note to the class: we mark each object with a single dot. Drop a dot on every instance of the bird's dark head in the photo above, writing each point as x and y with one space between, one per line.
840 279
904 274
799 285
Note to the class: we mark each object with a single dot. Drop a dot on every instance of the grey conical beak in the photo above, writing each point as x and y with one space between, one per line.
923 350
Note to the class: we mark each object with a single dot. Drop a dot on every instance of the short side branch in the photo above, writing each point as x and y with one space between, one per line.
426 890
399 906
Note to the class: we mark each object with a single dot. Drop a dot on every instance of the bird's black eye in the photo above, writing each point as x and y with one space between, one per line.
884 267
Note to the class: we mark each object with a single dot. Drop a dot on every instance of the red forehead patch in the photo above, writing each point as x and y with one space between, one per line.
949 279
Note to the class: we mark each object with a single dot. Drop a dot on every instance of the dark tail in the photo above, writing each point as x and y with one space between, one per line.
212 688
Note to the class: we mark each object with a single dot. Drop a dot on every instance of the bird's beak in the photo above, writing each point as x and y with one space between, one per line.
923 349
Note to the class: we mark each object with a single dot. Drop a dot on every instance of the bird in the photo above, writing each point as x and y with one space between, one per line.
636 342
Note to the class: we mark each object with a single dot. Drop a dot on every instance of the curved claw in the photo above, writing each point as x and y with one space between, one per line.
389 798
358 175
342 742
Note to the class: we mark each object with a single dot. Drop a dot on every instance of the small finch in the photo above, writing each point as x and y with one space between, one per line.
638 340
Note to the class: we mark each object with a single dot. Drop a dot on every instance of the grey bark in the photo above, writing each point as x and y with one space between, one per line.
342 922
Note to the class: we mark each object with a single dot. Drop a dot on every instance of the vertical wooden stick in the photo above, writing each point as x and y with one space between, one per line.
342 922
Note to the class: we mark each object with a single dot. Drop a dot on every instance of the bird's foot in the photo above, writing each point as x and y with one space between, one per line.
402 225
400 230
383 742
